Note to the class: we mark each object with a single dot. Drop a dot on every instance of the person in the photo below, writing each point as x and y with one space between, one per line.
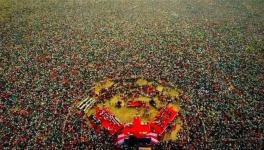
153 103
118 104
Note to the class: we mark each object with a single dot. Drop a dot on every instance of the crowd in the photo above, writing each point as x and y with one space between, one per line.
49 61
215 115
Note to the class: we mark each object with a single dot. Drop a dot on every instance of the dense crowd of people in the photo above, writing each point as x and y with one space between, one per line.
215 115
48 62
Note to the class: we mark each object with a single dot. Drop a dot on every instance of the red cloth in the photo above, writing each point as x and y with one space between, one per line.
163 119
135 103
108 121
136 128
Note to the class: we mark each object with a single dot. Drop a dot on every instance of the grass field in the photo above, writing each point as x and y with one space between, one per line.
52 51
